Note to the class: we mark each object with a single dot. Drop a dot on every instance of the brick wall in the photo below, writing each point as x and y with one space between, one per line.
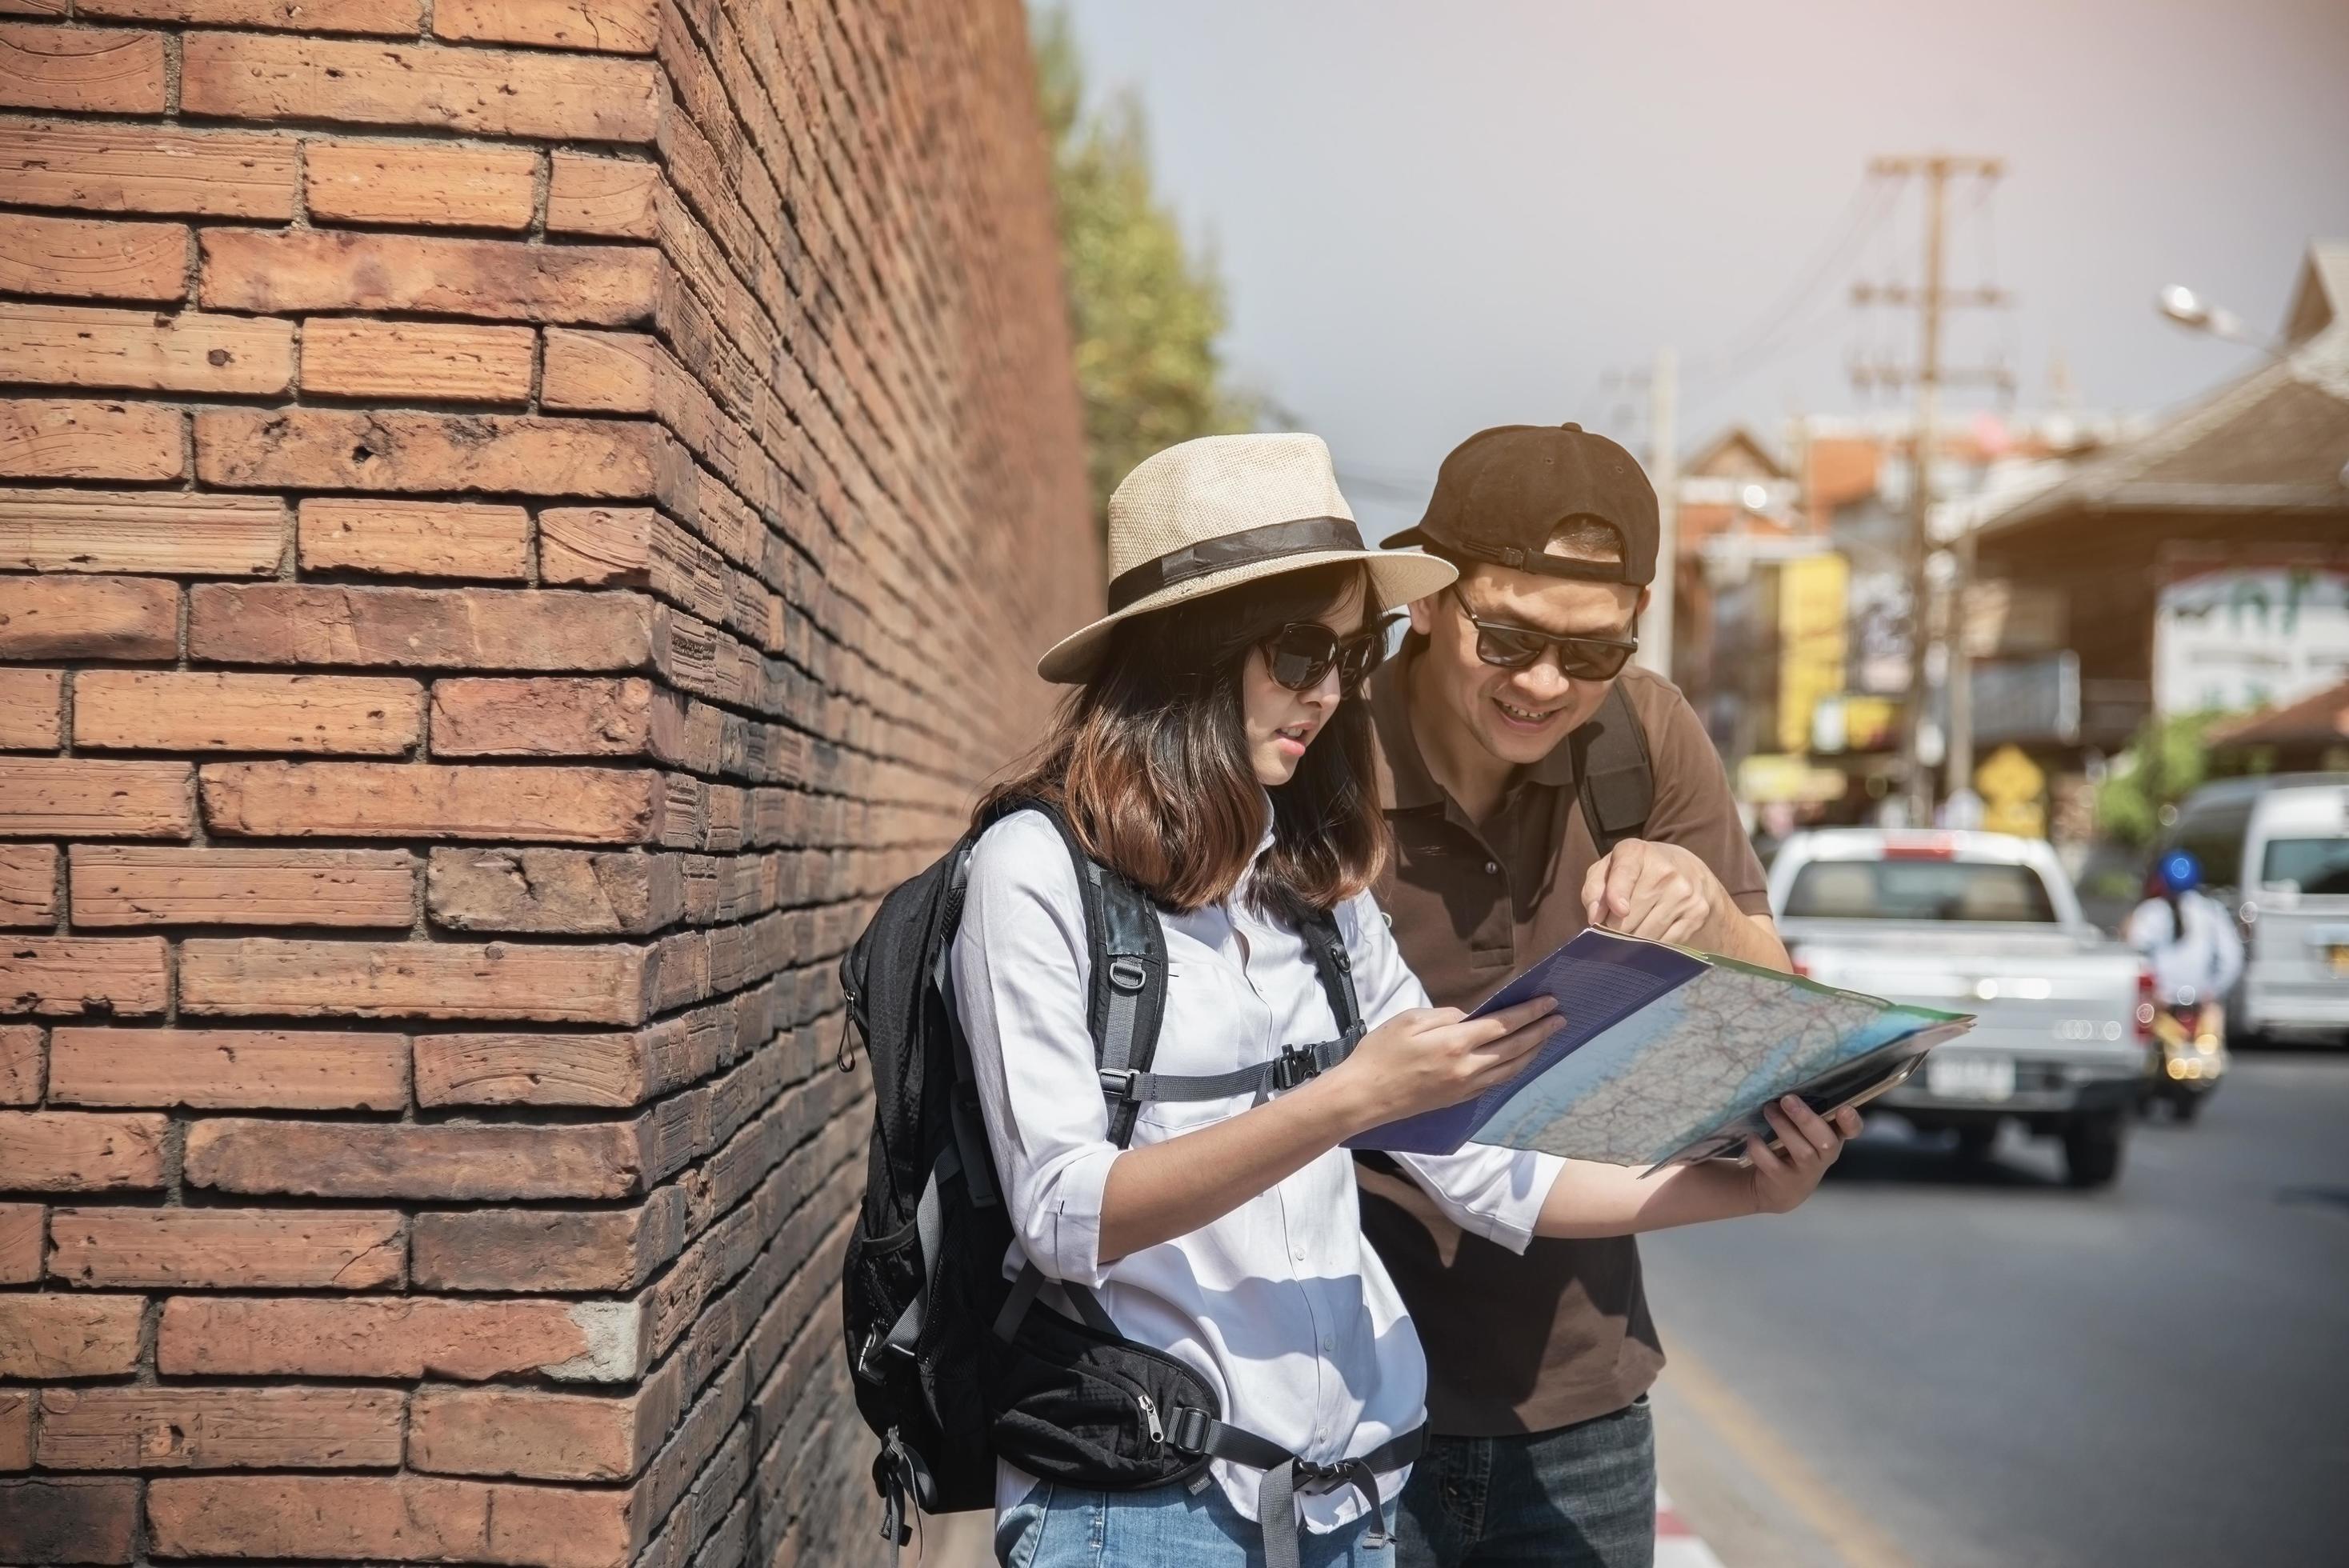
518 517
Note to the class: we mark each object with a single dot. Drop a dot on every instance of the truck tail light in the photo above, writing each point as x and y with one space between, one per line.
1798 963
2145 1004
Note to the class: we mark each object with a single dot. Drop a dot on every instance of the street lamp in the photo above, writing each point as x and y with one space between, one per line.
2187 308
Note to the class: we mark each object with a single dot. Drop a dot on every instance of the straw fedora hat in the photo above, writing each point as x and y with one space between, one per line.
1221 510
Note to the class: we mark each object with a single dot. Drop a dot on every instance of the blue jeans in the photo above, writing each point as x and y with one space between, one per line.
1066 1527
1583 1496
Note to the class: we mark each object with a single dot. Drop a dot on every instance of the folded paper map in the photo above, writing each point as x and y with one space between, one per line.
1669 1055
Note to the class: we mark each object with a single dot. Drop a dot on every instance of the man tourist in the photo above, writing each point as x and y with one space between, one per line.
1537 783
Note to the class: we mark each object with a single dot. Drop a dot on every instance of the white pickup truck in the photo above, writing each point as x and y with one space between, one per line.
1988 924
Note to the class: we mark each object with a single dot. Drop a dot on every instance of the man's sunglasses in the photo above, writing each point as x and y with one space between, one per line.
1578 658
1302 653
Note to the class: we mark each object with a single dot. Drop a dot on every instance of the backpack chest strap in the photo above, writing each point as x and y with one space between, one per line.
1295 1065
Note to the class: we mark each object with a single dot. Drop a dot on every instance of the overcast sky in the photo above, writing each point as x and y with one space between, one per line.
1437 217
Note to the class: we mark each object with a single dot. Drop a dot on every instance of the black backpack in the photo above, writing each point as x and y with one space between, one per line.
954 1365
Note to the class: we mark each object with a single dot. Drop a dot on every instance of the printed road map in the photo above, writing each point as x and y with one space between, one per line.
1671 1055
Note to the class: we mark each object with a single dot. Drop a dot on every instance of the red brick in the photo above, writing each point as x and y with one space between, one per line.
208 710
87 69
134 885
146 169
22 1226
49 1520
140 531
548 716
453 362
261 975
229 1068
80 1151
547 1249
80 438
87 617
77 1335
90 258
22 1052
595 1069
32 710
326 448
139 351
427 184
220 1429
375 799
571 891
600 372
609 197
348 1159
438 628
329 1249
15 1428
498 280
613 27
416 538
404 1338
29 886
399 1518
486 92
73 976
539 1433
395 17
50 797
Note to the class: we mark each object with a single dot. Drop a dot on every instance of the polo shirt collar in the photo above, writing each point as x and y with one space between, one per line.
1404 784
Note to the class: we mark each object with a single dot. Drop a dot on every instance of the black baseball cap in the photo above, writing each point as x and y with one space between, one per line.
1501 493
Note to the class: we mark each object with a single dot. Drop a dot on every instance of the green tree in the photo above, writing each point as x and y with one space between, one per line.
2166 759
1145 312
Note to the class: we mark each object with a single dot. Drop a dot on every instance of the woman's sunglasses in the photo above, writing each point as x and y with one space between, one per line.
1578 658
1302 654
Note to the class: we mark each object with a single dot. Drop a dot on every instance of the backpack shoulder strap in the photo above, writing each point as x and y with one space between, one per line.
1127 997
1612 772
1334 967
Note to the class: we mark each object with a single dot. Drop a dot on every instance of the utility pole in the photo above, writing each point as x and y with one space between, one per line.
1929 376
1664 470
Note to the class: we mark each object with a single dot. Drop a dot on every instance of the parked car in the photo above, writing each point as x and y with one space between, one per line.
2276 849
1984 924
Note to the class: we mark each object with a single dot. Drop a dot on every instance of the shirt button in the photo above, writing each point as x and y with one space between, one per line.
1329 1342
1492 868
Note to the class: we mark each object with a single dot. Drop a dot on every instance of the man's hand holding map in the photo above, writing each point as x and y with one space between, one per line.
1669 1055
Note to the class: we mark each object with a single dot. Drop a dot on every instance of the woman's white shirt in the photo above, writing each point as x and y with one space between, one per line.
1279 1303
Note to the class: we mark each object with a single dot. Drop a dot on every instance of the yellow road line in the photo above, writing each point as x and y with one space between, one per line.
1854 1537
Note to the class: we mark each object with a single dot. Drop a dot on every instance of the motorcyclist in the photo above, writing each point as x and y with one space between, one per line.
2196 955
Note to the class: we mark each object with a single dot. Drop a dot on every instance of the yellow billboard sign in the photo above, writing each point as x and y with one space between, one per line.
1812 591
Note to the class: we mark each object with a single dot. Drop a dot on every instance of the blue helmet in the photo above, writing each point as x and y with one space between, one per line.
2179 872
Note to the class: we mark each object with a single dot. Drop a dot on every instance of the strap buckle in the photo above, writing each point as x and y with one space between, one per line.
1119 1081
1294 1066
1186 1432
1128 973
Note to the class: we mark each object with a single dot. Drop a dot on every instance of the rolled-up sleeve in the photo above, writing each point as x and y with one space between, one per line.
1497 1193
1021 967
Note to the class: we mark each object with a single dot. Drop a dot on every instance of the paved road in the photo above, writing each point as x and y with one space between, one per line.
1964 1367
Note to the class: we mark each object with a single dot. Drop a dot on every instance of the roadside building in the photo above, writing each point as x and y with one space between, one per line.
2204 565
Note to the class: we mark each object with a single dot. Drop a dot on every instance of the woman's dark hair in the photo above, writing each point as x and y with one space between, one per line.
1149 759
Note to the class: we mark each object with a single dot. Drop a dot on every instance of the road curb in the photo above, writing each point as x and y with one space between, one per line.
1677 1544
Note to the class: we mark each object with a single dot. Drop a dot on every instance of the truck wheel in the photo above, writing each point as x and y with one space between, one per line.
2092 1150
1976 1139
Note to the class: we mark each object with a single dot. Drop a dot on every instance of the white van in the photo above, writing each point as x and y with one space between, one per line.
2276 848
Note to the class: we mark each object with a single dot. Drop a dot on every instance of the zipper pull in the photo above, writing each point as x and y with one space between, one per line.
840 1057
1150 1414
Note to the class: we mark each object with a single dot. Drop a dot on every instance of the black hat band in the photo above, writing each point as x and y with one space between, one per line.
1304 536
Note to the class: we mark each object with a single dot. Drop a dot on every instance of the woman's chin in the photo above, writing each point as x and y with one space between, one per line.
1274 766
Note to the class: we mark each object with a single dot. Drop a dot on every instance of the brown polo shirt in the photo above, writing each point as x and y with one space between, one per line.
1523 1343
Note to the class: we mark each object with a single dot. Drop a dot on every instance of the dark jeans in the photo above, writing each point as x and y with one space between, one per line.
1579 1497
